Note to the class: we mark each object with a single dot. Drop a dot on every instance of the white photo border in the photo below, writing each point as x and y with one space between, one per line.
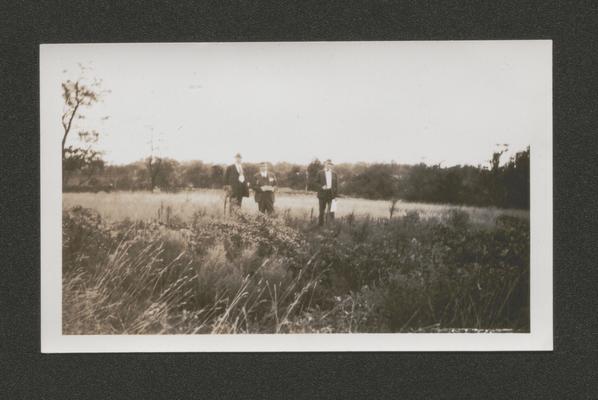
540 337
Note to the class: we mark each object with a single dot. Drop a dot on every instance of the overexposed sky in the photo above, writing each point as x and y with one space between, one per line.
448 102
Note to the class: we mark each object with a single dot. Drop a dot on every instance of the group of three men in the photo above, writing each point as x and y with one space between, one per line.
264 185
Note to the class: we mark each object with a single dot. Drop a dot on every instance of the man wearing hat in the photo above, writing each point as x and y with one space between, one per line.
235 183
327 191
264 186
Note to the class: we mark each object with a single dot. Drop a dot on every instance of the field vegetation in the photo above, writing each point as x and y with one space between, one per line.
169 263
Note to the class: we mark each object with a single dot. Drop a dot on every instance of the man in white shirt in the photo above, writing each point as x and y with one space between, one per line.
327 192
235 183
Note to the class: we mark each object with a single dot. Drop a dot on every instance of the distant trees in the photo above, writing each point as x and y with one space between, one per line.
163 173
377 181
501 186
296 178
169 177
196 174
515 179
313 169
87 162
127 177
497 185
217 176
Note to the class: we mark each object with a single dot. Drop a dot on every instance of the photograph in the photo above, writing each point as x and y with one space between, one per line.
296 196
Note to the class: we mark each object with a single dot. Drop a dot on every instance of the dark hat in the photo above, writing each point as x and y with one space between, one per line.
238 155
329 161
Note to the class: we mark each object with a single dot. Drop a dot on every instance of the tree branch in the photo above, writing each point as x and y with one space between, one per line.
67 128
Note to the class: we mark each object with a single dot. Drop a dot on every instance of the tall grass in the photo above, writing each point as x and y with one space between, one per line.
252 274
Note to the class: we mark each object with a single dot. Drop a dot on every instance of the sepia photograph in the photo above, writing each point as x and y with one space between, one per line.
289 196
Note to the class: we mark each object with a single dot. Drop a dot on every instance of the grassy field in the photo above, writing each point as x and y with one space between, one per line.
145 206
154 263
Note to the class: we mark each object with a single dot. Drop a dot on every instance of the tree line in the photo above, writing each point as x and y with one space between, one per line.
505 185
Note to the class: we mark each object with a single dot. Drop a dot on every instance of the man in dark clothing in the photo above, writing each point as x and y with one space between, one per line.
235 184
264 186
327 192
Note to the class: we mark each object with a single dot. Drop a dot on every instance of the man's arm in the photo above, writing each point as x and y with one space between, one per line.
271 182
226 175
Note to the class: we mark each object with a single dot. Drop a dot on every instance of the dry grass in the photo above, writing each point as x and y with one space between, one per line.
154 263
145 206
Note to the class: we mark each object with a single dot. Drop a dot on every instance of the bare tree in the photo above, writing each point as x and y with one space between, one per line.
82 159
77 94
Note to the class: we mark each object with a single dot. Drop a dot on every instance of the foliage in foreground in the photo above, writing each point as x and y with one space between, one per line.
253 274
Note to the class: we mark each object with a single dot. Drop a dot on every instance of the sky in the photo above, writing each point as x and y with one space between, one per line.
407 102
